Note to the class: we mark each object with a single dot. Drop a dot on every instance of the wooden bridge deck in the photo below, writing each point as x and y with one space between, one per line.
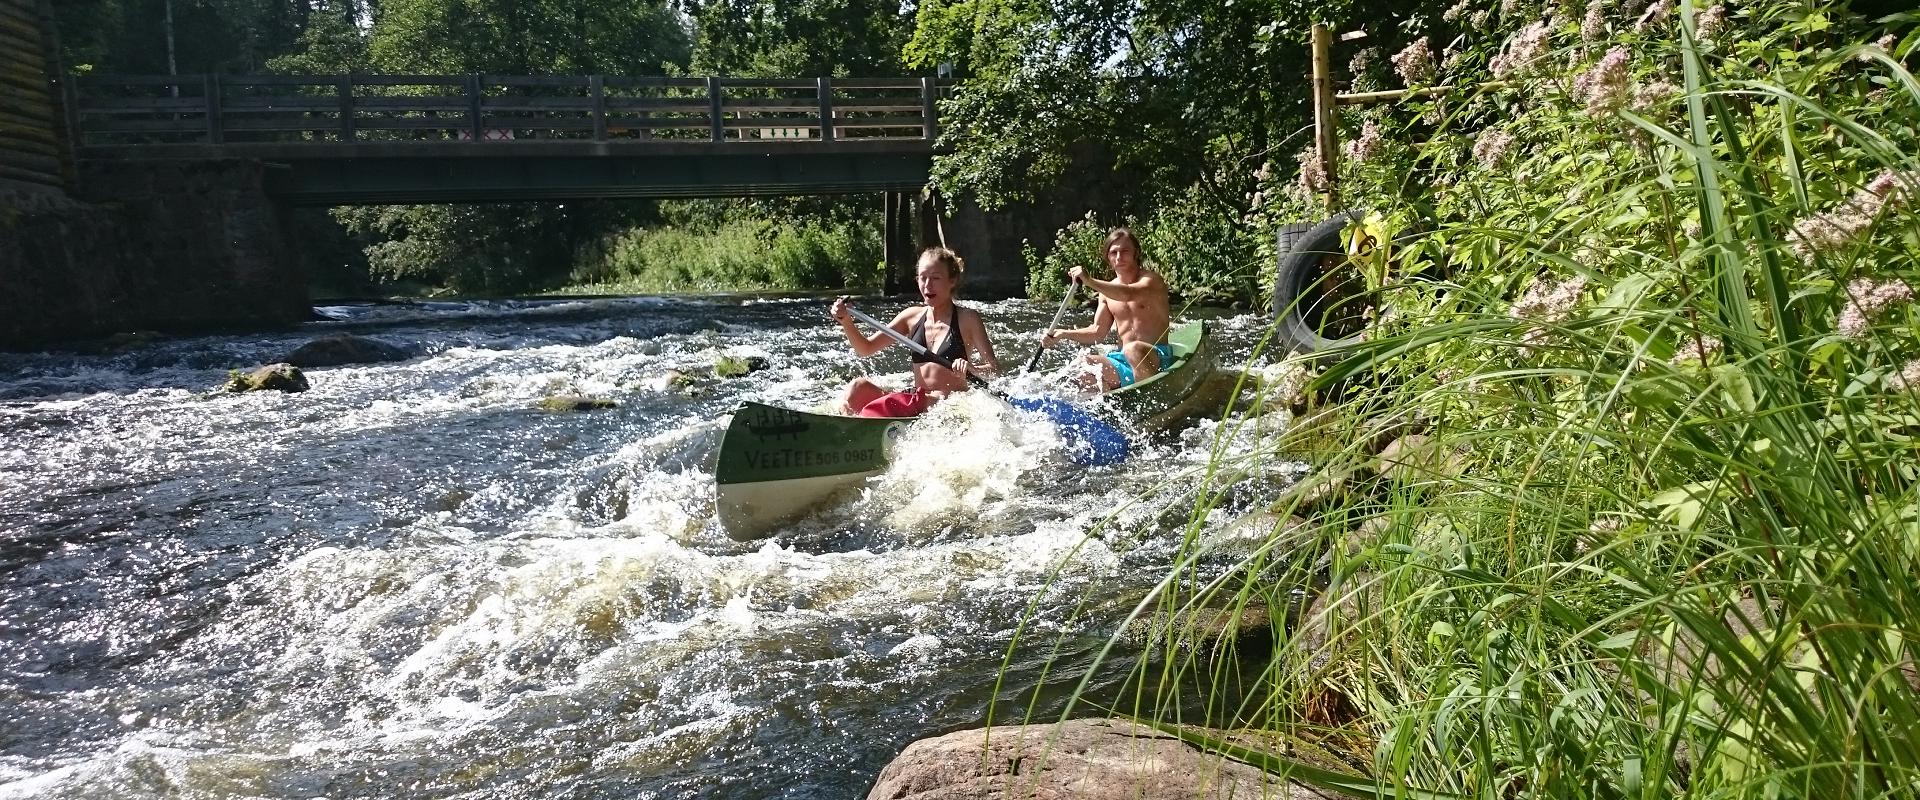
428 138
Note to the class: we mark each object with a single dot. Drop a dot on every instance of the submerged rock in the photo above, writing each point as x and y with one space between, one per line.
672 380
734 366
568 402
277 377
1084 759
1246 630
340 349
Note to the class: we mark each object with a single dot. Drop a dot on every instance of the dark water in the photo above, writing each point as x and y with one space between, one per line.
410 582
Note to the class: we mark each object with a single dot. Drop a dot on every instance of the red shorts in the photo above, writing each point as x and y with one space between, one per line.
910 403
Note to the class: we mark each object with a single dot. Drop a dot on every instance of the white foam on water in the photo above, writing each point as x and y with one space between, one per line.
959 459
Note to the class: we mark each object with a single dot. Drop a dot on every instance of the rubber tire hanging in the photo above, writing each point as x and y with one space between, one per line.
1302 285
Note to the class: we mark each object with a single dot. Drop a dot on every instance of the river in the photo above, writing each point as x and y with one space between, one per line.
410 581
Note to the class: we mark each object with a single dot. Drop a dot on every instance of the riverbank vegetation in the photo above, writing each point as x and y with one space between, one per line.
703 250
1645 522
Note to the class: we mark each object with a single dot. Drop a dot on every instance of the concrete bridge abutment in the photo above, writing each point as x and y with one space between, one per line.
148 245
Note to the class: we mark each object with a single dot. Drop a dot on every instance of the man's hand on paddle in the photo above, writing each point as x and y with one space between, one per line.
839 310
1075 277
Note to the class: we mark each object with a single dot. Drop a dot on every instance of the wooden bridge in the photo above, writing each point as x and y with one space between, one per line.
369 139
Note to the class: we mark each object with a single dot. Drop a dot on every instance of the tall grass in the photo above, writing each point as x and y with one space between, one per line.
735 254
1660 541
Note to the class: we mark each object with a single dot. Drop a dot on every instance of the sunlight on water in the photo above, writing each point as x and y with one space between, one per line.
409 580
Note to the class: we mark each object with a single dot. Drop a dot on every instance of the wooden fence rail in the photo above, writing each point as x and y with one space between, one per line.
226 109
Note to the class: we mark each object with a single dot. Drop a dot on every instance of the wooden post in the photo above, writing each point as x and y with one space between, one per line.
66 93
598 86
929 127
70 113
1326 131
343 85
211 86
890 242
823 87
719 130
474 120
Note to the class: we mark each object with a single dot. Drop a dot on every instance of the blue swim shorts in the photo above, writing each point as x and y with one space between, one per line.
1124 368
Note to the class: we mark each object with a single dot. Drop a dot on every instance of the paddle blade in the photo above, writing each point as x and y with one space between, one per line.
1092 442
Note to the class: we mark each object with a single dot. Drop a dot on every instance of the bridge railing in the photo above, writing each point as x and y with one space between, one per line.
224 109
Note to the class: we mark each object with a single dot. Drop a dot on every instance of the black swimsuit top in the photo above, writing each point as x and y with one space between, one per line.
954 346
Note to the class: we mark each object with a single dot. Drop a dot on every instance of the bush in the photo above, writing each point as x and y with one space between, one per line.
1078 244
736 255
1204 251
1657 533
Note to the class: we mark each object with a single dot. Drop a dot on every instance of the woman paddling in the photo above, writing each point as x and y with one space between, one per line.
952 333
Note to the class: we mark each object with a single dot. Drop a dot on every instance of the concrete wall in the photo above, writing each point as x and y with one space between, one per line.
154 245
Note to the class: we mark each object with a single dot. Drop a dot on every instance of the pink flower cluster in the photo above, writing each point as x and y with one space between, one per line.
1910 376
1312 177
1867 299
1695 351
1594 26
1492 146
1604 87
1521 51
1548 300
1357 66
1710 23
1654 15
1824 233
1415 63
1371 142
1885 43
1652 96
1454 13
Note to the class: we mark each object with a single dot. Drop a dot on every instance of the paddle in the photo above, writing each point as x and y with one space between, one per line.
1065 297
1099 443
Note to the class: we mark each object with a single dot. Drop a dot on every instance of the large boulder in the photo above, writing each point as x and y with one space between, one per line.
340 349
1088 759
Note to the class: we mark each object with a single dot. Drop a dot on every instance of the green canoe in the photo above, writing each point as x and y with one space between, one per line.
1174 392
777 464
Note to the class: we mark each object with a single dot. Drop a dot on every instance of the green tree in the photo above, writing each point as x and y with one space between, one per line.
530 37
842 38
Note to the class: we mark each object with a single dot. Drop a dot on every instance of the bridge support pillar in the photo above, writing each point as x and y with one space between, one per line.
899 254
155 245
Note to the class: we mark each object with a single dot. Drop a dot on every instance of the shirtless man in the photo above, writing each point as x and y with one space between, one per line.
1134 305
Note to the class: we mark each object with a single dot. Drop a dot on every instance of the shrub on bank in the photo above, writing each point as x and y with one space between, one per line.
736 254
1667 544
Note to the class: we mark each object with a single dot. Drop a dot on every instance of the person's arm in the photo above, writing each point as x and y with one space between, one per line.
1147 285
976 335
1089 335
864 344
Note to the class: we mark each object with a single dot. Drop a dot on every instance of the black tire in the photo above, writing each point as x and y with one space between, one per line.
1318 301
